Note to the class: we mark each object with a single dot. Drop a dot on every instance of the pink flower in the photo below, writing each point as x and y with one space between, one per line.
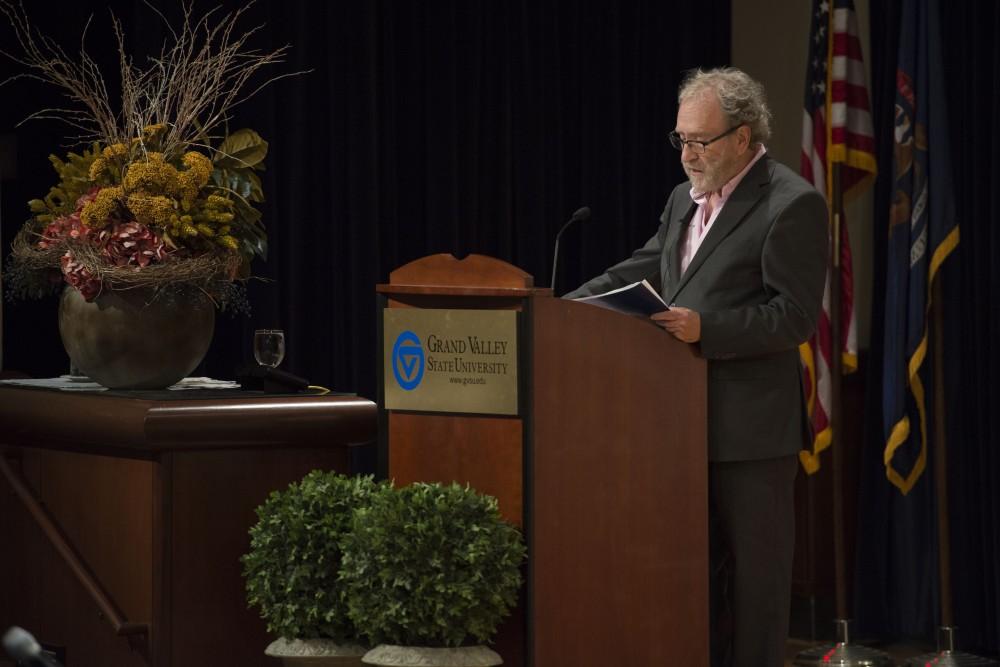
85 199
79 277
125 244
69 225
66 226
132 244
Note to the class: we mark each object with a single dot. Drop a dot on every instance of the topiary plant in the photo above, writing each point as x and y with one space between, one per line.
430 565
294 561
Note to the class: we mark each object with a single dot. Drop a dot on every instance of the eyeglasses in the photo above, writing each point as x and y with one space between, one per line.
698 147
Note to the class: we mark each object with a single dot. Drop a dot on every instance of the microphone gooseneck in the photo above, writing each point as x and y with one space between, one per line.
579 215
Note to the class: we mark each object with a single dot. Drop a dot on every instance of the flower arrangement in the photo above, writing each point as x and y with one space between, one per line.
157 197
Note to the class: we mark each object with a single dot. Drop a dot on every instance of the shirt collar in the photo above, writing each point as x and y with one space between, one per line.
727 189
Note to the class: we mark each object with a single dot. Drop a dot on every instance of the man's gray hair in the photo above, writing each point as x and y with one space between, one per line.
742 98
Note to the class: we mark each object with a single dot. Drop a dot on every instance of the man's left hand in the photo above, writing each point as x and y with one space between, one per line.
683 323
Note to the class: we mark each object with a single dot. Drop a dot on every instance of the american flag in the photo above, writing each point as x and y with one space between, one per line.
836 128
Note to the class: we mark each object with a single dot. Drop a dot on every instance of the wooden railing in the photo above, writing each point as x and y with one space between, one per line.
137 634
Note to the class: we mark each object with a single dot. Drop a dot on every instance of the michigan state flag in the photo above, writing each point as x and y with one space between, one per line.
923 231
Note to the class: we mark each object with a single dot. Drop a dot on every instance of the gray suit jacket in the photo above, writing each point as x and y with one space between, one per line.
757 281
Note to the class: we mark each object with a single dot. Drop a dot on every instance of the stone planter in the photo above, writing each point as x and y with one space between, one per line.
315 653
388 655
127 339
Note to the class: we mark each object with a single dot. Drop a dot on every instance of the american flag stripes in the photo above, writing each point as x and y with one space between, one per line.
836 129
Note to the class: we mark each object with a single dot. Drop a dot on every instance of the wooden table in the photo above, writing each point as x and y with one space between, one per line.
123 517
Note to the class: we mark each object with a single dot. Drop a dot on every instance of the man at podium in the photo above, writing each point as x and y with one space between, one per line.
740 255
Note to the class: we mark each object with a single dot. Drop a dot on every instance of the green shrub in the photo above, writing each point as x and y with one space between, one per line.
430 565
294 561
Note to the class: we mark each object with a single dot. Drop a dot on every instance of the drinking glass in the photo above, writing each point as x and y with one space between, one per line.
269 346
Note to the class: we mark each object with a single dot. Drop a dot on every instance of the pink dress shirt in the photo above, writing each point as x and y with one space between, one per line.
709 206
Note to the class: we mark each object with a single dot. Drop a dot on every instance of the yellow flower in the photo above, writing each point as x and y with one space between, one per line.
153 132
217 217
199 165
228 242
115 152
152 209
188 187
97 167
215 210
153 176
194 178
95 214
111 157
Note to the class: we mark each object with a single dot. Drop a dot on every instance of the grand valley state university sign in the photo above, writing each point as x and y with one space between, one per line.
450 360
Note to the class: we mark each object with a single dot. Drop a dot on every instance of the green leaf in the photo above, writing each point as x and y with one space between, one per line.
235 181
241 149
249 230
256 187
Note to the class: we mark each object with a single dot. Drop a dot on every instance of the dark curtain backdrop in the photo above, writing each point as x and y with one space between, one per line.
422 127
897 584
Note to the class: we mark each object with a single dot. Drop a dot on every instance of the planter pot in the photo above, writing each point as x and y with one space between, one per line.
315 653
127 339
388 655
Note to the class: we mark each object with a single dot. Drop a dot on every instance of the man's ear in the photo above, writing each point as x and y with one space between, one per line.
744 134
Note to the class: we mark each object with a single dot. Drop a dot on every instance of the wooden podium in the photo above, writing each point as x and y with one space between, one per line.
604 466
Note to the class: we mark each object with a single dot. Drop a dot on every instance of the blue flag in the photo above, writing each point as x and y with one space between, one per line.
923 231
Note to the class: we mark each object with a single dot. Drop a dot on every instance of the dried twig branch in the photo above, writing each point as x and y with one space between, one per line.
191 87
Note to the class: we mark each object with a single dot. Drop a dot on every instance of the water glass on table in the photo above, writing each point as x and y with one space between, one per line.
269 346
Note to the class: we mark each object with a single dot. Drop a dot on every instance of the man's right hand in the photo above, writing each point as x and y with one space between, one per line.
683 323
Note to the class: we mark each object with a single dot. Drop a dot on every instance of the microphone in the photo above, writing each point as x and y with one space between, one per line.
580 215
21 646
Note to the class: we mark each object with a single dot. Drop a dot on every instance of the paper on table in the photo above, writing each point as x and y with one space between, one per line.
80 383
204 383
64 382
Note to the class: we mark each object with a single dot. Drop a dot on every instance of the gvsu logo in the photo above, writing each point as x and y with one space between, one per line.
408 360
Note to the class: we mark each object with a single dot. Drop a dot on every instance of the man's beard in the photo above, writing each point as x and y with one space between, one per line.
710 177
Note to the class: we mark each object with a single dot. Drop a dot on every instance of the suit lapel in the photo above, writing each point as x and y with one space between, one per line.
672 247
739 204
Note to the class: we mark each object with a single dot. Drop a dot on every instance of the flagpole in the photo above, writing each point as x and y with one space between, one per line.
842 653
940 459
836 413
946 653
